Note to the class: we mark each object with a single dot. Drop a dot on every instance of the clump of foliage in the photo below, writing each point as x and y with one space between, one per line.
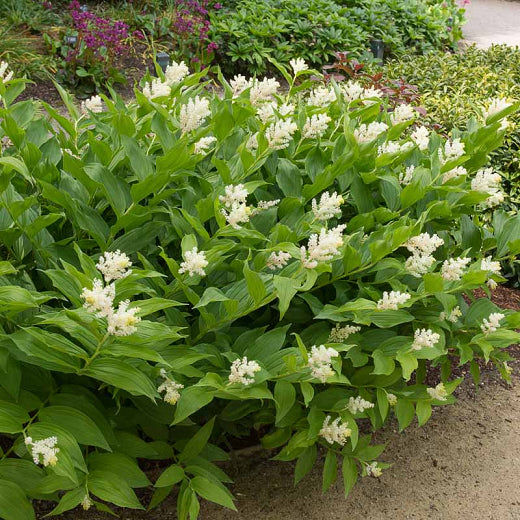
250 33
30 15
453 86
188 268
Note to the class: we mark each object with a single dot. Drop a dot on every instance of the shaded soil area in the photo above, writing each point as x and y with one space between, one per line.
464 463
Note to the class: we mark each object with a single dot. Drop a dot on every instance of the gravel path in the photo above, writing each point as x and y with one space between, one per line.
493 21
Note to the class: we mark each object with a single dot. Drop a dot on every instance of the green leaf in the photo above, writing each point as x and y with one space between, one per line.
330 470
13 502
423 411
408 363
196 444
305 463
69 500
210 491
405 412
284 397
255 284
350 474
286 288
120 464
12 417
383 365
192 399
111 487
170 476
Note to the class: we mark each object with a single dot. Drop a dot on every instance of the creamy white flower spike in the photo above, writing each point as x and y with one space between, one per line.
176 72
453 268
402 113
315 126
492 284
424 244
4 75
358 405
320 362
417 265
322 97
263 90
43 451
492 323
114 265
373 470
393 147
156 88
279 134
194 113
339 334
277 260
93 104
392 399
170 389
252 143
239 214
489 182
194 263
372 92
439 392
406 177
328 207
392 300
240 83
352 91
86 503
335 432
425 338
453 316
452 150
203 144
298 65
490 265
263 205
243 371
235 194
123 321
367 133
421 137
495 106
322 247
99 299
454 173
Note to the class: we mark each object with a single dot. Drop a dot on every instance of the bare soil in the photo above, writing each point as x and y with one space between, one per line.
463 464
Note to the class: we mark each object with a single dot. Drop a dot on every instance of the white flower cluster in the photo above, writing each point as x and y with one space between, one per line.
252 143
43 451
320 362
421 137
243 371
114 265
453 268
422 246
352 91
315 126
339 334
406 177
439 392
298 65
234 200
425 338
392 300
328 207
491 266
322 247
240 83
452 150
402 113
458 171
492 323
495 106
278 260
279 134
93 104
170 388
393 147
194 113
86 503
358 405
335 431
4 75
453 316
367 133
175 72
203 144
373 470
322 97
392 399
156 88
194 263
489 182
263 90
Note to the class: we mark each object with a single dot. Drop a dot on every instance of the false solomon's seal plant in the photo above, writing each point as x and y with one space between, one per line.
192 267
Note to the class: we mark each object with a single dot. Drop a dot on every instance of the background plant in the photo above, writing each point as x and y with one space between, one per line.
188 268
